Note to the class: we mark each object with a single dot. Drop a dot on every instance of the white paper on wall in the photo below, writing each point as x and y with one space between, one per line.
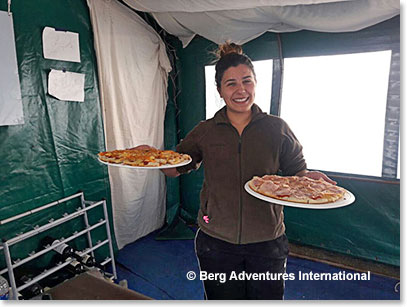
60 45
65 85
11 107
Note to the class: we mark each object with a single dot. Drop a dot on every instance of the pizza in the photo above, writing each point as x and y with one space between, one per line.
297 189
144 157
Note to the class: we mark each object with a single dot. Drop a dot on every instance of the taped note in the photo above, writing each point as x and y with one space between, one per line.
60 45
65 85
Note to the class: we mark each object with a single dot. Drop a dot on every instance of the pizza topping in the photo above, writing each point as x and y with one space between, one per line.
144 157
296 189
283 191
267 186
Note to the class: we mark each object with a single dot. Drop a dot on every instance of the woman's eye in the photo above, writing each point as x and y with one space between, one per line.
231 84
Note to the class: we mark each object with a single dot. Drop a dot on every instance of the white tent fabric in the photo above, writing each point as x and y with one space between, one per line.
241 21
133 68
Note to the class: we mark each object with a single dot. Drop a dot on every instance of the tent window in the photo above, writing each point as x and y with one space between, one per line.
264 74
336 106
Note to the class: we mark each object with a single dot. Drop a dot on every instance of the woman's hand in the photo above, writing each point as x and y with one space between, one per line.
315 175
170 172
142 147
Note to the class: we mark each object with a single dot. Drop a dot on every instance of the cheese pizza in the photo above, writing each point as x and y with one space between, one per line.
144 157
297 189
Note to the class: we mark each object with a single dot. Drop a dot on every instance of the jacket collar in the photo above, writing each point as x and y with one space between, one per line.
221 117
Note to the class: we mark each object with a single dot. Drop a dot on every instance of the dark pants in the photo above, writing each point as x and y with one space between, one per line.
228 260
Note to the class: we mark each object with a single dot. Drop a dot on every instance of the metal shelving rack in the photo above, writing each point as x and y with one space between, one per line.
83 210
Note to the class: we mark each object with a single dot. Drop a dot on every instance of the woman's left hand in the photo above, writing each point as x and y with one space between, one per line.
316 175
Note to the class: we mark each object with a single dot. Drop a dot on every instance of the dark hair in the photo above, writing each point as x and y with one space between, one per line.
230 54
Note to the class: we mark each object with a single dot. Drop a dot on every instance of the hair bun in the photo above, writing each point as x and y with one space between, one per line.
227 48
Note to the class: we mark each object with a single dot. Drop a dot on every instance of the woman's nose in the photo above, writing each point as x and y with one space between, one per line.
241 88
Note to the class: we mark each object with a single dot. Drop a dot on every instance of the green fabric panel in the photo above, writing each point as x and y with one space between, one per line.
268 50
383 36
53 154
172 184
370 228
177 230
170 141
191 102
367 229
175 226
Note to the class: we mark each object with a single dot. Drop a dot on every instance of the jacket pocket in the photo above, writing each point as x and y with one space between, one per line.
205 208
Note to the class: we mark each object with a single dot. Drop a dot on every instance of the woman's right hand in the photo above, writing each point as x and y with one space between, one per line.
170 172
142 147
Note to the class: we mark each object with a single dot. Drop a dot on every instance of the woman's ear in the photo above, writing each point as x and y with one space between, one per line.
218 88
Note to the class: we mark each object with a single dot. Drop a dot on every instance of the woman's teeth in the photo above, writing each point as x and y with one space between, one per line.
240 99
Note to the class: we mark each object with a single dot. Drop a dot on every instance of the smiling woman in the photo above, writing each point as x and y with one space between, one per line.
238 92
238 232
236 84
264 76
237 143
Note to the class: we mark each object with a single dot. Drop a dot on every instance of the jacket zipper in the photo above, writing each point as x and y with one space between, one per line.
239 232
239 151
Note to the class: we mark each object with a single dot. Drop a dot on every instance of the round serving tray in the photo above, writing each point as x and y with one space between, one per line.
346 200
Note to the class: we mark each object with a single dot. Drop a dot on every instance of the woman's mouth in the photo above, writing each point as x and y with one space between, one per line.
240 100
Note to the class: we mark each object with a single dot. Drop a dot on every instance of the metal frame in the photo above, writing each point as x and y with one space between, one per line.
85 206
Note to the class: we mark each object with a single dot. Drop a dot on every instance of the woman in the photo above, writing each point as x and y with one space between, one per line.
238 233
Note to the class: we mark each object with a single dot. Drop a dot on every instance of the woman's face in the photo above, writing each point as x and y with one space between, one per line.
238 87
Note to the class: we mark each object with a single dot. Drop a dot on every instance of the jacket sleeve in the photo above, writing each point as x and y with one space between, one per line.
291 158
190 146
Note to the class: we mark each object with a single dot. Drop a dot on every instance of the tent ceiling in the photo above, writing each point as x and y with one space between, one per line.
241 21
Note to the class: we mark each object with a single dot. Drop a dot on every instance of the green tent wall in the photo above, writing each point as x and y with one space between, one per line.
53 154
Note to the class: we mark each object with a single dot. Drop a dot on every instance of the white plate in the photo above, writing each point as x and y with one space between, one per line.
147 167
347 199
